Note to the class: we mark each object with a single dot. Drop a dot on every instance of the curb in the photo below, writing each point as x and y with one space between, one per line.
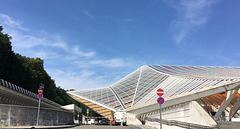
39 127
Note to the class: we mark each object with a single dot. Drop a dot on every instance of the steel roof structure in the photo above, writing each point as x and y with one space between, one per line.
139 88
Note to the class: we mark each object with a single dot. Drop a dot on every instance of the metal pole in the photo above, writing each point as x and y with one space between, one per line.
38 110
87 115
160 117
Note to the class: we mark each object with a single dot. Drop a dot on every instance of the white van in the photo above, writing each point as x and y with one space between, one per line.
121 118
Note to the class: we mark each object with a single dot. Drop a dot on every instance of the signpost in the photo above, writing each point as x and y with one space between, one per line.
87 111
160 101
40 96
87 115
40 90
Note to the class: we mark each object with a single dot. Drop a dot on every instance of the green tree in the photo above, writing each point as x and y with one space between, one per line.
10 67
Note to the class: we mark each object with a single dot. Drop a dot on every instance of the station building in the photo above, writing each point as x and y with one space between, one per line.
210 93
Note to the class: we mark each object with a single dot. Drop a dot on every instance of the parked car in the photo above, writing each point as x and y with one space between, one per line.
103 122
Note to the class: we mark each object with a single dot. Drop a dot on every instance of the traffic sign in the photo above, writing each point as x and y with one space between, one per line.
160 92
41 86
40 95
160 100
40 90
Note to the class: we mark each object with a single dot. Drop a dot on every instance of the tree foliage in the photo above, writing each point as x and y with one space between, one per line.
28 73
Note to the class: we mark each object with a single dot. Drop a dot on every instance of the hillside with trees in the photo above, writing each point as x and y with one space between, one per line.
29 72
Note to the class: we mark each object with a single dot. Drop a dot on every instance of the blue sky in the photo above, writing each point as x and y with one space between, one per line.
94 43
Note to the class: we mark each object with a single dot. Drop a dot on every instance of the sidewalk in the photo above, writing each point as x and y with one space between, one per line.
38 127
140 127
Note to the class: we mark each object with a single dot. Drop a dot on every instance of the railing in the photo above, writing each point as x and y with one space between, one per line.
180 124
25 92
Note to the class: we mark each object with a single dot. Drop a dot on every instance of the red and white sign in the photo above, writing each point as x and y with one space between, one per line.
40 90
160 92
160 100
40 95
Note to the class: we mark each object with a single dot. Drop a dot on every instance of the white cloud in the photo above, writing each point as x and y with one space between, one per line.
47 40
10 22
77 80
117 62
24 42
106 63
44 54
87 13
69 65
191 14
76 50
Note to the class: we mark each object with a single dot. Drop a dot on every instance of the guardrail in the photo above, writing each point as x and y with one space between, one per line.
181 124
26 92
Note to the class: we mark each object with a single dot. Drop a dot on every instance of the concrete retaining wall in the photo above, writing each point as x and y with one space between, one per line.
15 115
132 120
190 112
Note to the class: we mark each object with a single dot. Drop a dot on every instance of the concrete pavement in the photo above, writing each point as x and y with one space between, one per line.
37 127
101 127
79 127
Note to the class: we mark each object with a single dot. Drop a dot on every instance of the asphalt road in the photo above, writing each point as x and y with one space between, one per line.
100 127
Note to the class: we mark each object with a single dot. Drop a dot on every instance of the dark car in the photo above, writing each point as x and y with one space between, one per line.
103 122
